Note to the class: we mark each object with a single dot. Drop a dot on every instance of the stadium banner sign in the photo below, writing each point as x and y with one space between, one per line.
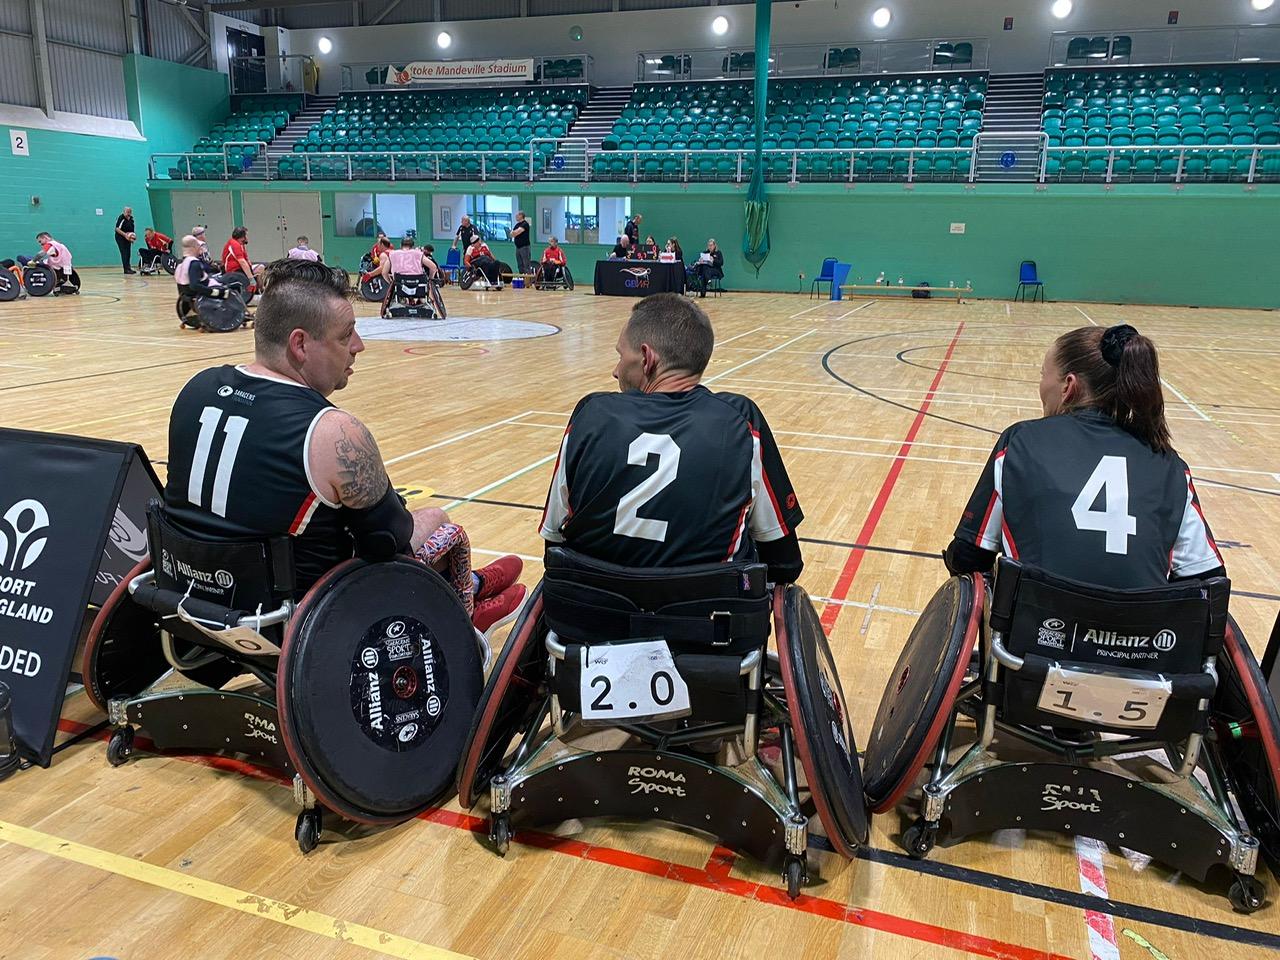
451 71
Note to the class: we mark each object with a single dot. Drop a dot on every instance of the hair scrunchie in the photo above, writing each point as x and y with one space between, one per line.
1113 342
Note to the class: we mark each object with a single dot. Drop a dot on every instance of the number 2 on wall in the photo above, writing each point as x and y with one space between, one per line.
1110 477
627 522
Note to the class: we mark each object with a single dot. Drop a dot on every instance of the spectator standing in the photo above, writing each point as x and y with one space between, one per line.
467 233
632 229
125 235
520 235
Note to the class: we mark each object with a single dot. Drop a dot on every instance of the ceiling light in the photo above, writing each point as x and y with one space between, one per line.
1262 4
880 19
720 26
324 45
443 40
1061 8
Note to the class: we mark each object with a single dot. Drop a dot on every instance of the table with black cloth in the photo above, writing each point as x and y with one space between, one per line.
638 278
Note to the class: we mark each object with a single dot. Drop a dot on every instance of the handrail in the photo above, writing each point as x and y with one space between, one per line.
1255 150
1160 46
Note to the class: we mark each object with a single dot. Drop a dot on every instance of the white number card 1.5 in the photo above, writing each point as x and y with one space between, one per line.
1099 698
632 681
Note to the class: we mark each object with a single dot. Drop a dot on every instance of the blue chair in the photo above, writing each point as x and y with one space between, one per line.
1027 277
452 263
827 276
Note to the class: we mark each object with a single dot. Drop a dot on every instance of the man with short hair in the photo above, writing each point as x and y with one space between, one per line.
521 236
259 450
467 234
303 251
235 254
154 246
58 258
666 472
408 261
621 249
632 230
125 235
553 261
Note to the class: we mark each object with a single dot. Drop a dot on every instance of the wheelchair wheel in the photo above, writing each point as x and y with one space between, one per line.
437 300
509 703
467 277
917 701
10 288
1248 727
374 288
170 264
379 677
820 719
38 279
122 654
568 278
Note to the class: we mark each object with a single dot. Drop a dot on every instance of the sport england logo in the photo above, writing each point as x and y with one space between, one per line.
1052 633
639 278
20 546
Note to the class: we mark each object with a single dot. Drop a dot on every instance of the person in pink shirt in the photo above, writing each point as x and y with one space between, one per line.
303 251
408 261
58 258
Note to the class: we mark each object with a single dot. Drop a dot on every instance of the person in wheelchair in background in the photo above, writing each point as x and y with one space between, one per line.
1094 490
553 267
154 246
410 274
259 450
480 258
665 472
195 280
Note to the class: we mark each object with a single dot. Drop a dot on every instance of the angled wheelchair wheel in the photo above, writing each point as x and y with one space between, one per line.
378 680
38 279
922 689
122 654
820 719
467 278
568 278
436 299
170 264
509 703
1248 727
374 288
10 288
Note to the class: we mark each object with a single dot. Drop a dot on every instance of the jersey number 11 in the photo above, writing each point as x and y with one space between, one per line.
210 417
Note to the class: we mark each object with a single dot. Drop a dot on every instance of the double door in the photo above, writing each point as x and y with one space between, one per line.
276 220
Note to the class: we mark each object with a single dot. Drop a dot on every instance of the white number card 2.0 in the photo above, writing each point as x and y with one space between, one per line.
632 681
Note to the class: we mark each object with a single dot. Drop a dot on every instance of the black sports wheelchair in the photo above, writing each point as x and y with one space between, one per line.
546 278
651 694
484 276
149 266
362 691
36 280
1136 717
414 295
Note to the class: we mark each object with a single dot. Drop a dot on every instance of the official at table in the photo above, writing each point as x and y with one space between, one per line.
638 278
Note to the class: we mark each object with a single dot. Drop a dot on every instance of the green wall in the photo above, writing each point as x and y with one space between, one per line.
75 174
1206 245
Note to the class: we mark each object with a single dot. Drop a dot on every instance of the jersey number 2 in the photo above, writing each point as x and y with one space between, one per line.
1111 478
210 417
627 522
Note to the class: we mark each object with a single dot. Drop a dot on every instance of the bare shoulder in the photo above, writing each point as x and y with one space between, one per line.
345 461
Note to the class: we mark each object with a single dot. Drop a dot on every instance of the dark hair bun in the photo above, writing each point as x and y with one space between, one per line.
1113 342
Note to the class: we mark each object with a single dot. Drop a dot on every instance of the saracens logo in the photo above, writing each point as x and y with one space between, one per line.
127 536
1052 633
21 539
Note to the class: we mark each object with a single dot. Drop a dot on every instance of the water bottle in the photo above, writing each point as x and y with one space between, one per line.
880 279
951 284
902 282
968 284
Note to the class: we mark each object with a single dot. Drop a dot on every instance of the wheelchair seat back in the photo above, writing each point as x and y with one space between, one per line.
217 582
1122 661
411 286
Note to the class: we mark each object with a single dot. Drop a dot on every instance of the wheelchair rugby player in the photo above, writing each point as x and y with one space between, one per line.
1107 643
286 557
671 552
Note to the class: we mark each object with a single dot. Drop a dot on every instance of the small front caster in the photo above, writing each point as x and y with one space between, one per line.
918 839
1246 894
795 874
120 746
307 829
500 833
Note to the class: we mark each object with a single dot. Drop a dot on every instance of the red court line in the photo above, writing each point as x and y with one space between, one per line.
845 580
715 876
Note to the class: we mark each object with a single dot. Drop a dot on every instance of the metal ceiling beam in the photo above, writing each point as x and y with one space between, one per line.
382 14
40 50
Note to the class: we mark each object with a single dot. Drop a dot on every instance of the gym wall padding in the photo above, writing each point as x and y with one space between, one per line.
1204 245
74 174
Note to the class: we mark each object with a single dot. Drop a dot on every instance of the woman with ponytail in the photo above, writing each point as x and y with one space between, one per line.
1094 490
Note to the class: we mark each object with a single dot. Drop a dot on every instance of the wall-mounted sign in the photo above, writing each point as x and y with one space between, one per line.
452 71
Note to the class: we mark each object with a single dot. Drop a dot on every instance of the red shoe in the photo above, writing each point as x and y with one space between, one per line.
498 575
494 612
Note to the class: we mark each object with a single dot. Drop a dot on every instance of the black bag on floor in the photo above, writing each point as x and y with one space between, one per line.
921 294
221 316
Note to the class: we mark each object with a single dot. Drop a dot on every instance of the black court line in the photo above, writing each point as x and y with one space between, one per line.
114 373
902 358
1067 898
84 734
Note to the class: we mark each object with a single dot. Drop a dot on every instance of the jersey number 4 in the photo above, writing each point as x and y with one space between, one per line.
210 417
627 521
1110 478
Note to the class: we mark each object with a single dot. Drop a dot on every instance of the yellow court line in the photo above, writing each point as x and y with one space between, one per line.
221 895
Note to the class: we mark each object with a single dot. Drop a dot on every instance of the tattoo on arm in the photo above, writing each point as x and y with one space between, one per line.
362 479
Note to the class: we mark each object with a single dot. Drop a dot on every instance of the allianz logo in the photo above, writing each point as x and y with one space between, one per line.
175 566
648 780
1164 640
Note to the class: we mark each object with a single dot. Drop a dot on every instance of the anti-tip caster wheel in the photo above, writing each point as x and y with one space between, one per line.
500 834
1246 894
120 746
795 875
918 839
307 830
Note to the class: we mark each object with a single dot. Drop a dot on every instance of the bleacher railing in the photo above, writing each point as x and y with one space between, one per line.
356 76
1168 45
288 73
924 55
1195 164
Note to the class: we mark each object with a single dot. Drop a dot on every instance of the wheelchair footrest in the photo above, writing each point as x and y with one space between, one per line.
648 785
420 311
212 721
1086 801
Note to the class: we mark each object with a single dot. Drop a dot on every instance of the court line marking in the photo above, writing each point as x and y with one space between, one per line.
741 335
455 439
221 895
467 498
845 580
767 353
869 303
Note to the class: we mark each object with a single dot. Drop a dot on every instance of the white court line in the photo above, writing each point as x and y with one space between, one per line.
818 306
499 553
1007 311
467 498
895 441
884 456
740 336
767 353
461 436
869 303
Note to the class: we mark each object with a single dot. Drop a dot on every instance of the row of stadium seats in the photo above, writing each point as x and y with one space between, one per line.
257 118
833 166
379 168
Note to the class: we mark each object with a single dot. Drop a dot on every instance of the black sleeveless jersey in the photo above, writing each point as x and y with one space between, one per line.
1080 497
238 466
668 479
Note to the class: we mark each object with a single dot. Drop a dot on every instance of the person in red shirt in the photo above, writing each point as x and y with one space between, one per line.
480 257
553 261
155 245
235 255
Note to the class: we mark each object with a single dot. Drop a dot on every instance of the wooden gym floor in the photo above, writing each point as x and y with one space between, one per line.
885 411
